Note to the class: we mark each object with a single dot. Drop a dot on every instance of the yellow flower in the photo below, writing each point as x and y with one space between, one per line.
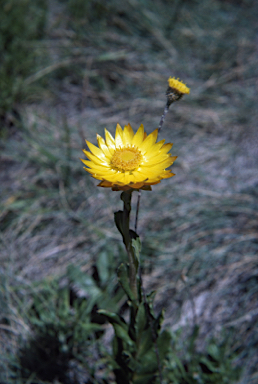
129 160
178 86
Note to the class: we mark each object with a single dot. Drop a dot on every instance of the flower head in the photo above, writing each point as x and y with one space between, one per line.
178 86
129 160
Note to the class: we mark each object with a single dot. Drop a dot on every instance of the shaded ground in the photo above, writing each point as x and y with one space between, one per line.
199 229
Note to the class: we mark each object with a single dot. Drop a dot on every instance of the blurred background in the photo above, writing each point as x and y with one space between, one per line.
70 68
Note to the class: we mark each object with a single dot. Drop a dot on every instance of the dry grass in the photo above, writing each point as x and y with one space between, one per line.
199 229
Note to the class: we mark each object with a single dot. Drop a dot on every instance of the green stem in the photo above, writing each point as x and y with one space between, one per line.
126 197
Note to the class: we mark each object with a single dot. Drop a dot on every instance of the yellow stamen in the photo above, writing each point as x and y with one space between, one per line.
126 159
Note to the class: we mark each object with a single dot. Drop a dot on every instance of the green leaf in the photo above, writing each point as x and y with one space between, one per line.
91 327
147 358
150 299
122 334
119 221
103 264
136 244
145 343
149 363
115 347
158 321
163 343
180 366
124 281
141 320
214 351
209 364
133 364
113 318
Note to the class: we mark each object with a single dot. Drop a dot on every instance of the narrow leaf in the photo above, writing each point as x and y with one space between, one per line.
163 343
124 281
113 318
122 334
141 320
119 221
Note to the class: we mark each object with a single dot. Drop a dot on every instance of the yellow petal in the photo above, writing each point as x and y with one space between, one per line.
138 137
166 148
149 141
163 165
90 171
119 137
95 159
154 150
109 140
96 151
165 162
136 178
153 173
114 178
87 162
173 158
168 175
104 147
154 161
128 135
100 168
140 175
124 179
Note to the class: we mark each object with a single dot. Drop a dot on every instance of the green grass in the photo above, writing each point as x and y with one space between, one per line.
75 73
21 25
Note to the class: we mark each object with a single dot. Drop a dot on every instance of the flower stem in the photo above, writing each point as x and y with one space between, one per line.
126 197
163 116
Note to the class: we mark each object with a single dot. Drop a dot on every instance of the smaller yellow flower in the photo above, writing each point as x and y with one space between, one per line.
130 160
178 86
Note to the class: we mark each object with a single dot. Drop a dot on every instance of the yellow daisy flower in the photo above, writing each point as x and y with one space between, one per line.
129 160
178 86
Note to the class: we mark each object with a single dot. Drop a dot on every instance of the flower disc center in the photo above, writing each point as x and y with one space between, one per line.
126 159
